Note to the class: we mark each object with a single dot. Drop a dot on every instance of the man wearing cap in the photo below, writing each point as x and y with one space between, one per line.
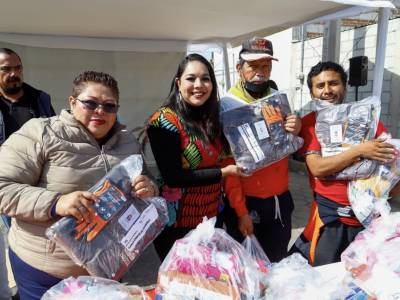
259 204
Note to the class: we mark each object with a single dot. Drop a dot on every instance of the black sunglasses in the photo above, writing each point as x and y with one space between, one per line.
92 105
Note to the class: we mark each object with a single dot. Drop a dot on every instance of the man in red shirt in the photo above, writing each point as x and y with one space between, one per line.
259 204
332 225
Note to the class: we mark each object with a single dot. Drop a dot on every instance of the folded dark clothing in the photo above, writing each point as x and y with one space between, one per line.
256 132
121 226
342 125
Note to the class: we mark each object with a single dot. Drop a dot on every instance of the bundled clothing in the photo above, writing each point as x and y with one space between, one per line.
332 225
191 180
264 195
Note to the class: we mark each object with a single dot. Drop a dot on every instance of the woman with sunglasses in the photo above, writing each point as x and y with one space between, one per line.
46 169
186 140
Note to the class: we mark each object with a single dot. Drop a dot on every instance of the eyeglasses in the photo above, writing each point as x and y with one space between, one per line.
111 108
9 69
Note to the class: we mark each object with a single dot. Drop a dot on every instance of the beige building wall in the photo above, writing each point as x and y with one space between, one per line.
143 78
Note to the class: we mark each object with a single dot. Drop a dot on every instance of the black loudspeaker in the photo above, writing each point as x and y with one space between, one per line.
358 71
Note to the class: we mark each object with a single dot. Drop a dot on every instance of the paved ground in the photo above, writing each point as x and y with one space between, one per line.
145 271
301 193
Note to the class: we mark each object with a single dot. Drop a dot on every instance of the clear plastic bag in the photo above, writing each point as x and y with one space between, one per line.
208 264
373 258
369 197
340 126
294 278
256 132
93 288
253 247
121 226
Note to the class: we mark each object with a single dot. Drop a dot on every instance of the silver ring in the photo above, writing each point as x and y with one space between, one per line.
146 189
81 207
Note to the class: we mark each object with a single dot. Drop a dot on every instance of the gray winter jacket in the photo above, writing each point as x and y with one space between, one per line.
46 158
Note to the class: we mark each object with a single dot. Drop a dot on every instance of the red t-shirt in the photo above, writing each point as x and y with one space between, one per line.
335 190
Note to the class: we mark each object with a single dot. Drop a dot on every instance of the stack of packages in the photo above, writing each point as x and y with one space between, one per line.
209 264
373 258
121 225
93 288
340 126
256 132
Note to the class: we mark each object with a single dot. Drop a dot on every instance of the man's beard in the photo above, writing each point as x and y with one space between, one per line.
12 90
15 86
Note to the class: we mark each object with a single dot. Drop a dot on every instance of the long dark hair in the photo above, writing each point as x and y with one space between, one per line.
201 121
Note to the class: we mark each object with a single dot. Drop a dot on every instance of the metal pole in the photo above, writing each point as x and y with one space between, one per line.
383 24
233 68
226 68
301 75
331 48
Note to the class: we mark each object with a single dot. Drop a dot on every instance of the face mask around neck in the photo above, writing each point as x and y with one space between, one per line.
258 88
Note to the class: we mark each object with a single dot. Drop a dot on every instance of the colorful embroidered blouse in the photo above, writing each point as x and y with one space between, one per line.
188 168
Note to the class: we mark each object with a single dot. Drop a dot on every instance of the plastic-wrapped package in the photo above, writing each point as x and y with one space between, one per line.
294 278
253 247
368 197
208 264
93 288
373 258
256 132
340 126
121 225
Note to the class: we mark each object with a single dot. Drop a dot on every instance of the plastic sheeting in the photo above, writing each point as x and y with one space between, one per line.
120 228
256 132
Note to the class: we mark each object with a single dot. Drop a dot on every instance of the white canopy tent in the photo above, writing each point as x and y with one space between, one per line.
155 20
138 41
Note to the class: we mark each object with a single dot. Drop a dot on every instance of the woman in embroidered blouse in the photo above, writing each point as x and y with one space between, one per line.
187 142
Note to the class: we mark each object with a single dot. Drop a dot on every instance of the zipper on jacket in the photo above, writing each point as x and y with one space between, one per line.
104 157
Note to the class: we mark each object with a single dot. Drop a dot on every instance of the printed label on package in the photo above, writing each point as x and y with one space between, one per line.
336 133
190 291
261 129
128 218
251 142
139 229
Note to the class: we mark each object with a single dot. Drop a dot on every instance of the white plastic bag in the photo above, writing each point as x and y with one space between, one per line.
253 247
208 264
93 288
369 196
293 278
373 258
121 225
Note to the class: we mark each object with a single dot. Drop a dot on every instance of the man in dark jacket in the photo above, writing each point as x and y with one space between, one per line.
19 102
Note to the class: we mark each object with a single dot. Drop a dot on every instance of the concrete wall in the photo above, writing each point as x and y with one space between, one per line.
143 78
360 41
